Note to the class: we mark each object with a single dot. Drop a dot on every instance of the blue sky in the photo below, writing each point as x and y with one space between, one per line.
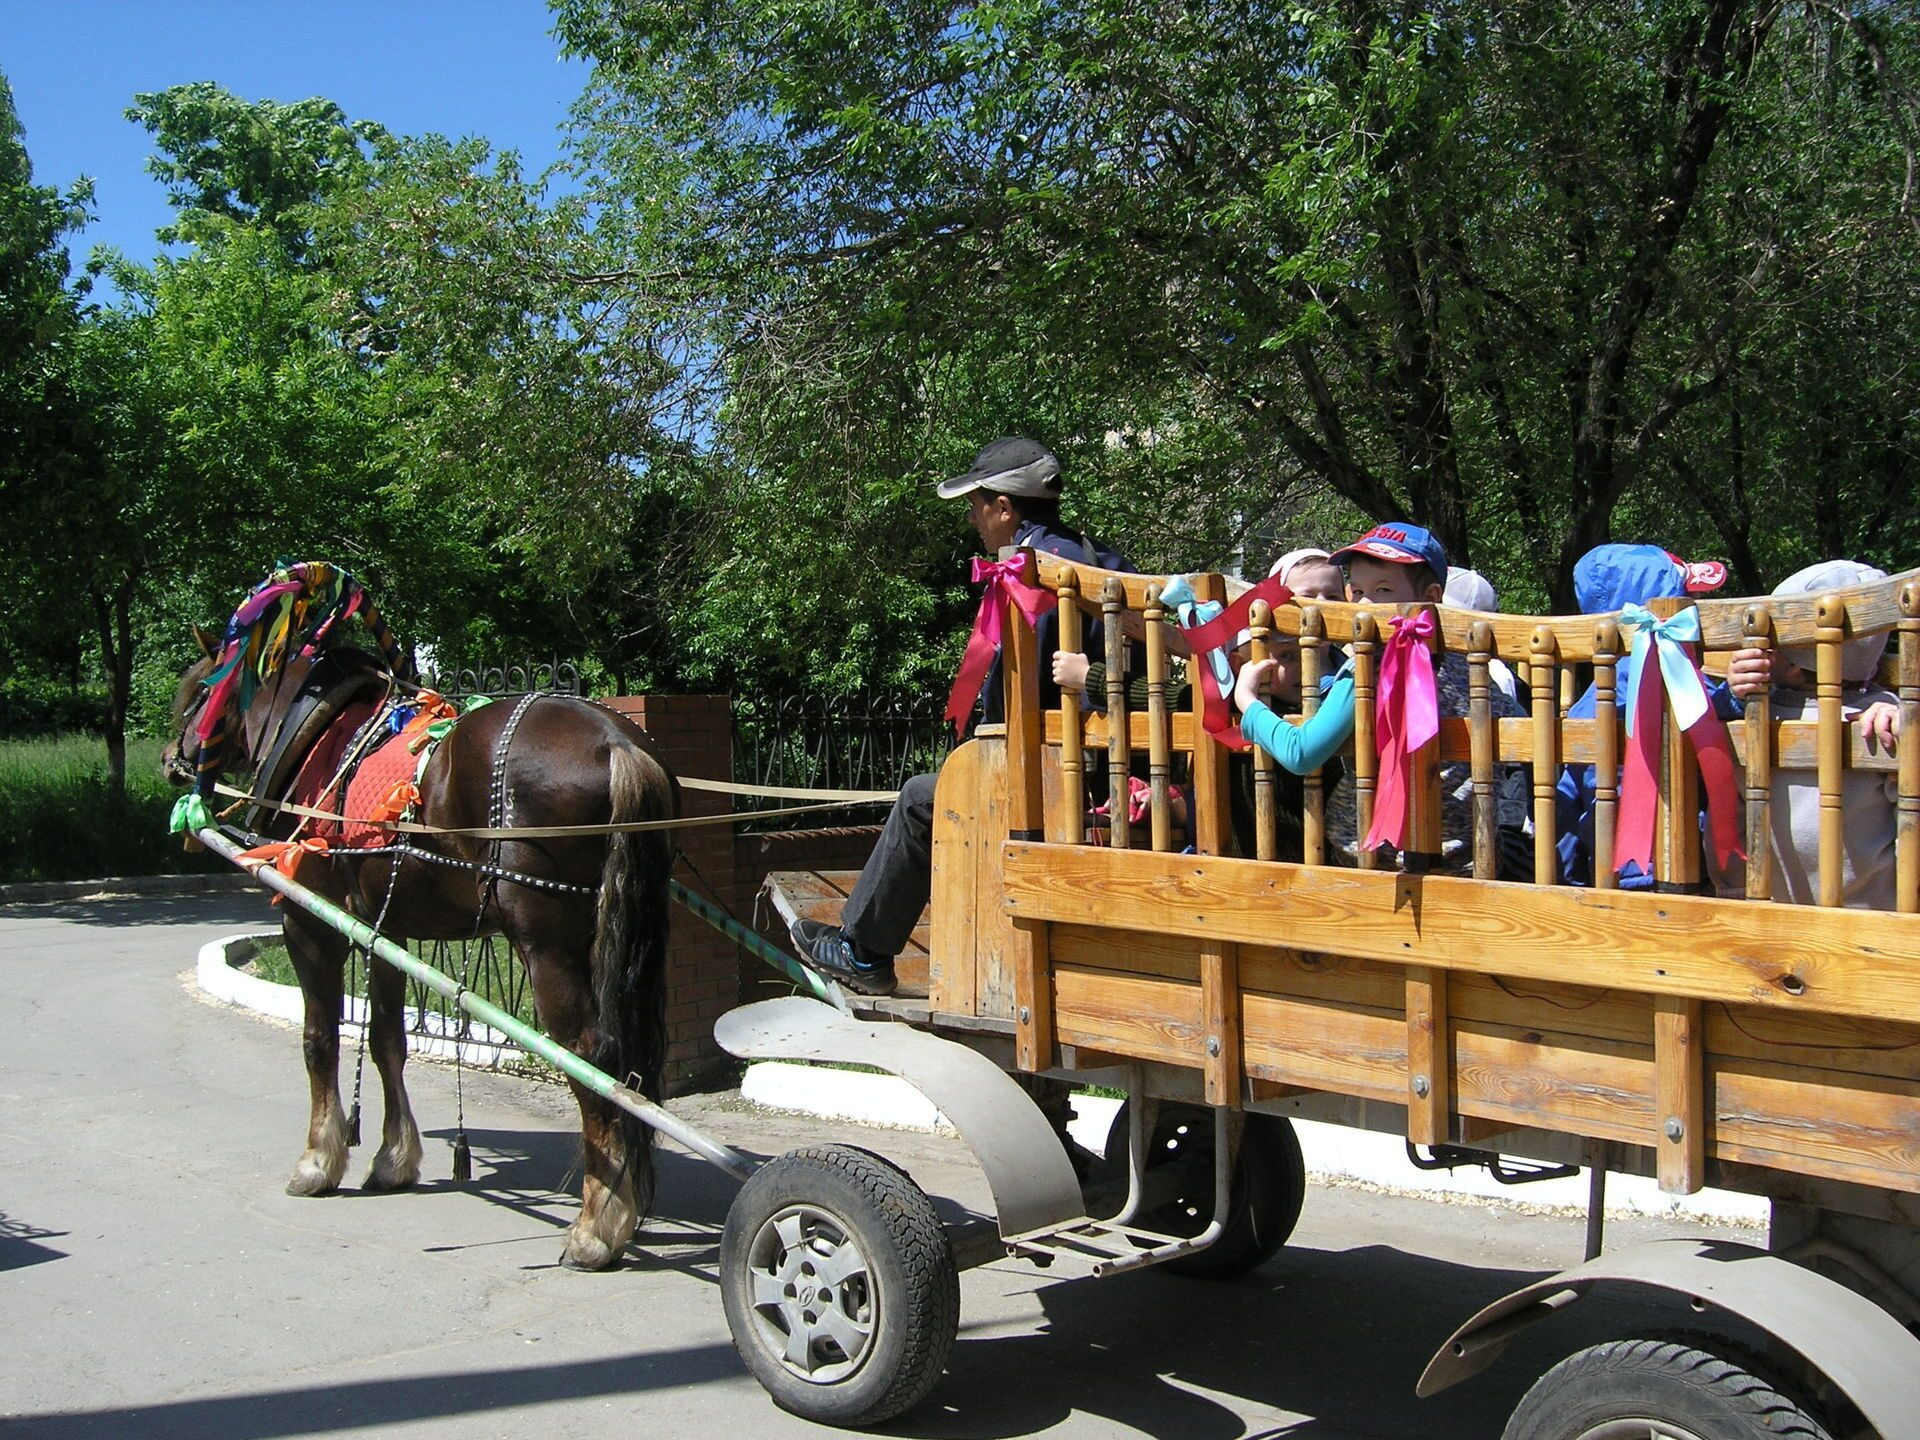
475 67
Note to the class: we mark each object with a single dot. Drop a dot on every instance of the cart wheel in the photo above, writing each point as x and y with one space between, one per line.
1269 1185
839 1284
1664 1389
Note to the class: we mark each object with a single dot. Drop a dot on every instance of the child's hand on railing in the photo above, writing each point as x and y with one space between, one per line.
1252 684
1750 672
1070 670
1880 725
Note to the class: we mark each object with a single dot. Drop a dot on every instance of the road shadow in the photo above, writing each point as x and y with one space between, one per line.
20 1244
365 1406
245 909
1336 1336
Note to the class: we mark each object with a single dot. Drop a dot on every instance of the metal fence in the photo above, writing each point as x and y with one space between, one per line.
487 966
552 677
865 741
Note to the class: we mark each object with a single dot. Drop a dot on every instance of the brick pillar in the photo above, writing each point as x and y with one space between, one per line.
694 736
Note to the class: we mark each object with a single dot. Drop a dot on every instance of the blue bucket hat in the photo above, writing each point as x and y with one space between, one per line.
1610 576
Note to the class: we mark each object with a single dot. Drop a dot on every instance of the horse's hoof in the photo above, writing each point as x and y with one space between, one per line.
311 1180
382 1178
394 1169
588 1255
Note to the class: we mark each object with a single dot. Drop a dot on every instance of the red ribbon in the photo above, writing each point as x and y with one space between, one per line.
1006 584
1216 716
1640 785
285 855
1406 718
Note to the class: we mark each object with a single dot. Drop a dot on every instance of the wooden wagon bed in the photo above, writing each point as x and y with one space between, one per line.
1732 1041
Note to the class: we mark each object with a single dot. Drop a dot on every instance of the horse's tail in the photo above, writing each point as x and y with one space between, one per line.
630 947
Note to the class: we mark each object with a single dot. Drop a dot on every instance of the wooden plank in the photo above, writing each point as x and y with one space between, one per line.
1843 1045
1219 960
994 979
1093 729
1840 961
1600 1089
1332 979
822 895
1818 1123
1136 952
1571 1010
1292 1040
1679 1078
1026 943
958 846
1129 1015
1313 815
1429 1097
1266 822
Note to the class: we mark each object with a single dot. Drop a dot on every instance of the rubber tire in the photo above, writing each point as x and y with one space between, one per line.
910 1266
1269 1187
1662 1381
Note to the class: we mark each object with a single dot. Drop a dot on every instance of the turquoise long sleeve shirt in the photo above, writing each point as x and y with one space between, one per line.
1305 747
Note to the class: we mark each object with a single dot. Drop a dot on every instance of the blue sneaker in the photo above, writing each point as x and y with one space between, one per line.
827 949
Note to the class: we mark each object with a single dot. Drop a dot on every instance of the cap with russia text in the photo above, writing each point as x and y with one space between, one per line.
1401 544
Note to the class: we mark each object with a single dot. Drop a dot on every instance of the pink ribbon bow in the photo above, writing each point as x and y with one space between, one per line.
1006 583
1406 717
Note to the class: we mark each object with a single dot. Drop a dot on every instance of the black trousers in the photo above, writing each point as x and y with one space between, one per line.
893 889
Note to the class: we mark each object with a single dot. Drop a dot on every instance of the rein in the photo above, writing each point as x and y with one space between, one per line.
823 800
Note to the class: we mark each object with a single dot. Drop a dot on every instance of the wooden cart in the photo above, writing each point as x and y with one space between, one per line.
1738 1042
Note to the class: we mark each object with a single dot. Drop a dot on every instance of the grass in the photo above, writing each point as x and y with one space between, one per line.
59 820
271 963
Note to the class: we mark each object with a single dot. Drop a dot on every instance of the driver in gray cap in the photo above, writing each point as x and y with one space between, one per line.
1013 499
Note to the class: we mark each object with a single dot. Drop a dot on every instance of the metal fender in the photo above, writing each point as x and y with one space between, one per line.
1026 1166
1862 1349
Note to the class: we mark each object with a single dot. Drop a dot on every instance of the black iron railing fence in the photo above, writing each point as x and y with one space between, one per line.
520 677
870 740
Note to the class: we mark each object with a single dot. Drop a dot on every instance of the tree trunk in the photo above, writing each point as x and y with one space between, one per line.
113 615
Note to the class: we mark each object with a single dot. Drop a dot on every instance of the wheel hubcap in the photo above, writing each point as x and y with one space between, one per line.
1638 1429
814 1305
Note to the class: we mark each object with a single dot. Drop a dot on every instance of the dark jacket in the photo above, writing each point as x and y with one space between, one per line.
1086 551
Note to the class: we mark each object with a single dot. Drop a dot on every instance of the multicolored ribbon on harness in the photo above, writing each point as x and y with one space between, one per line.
1006 584
1211 630
291 613
1406 717
1681 683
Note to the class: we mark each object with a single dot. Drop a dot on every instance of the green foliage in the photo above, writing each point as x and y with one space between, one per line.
63 818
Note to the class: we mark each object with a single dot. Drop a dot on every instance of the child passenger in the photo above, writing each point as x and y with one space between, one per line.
1389 565
1868 798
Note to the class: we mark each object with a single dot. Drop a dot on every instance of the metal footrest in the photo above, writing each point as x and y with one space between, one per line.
1103 1247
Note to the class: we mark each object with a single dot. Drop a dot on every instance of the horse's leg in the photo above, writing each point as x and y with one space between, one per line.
609 1212
396 1165
319 956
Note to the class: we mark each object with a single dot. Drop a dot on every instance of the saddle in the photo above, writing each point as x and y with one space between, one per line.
337 696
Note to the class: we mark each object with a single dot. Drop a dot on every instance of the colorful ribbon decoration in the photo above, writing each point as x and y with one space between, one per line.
284 855
189 815
1685 687
1406 717
1006 584
1211 629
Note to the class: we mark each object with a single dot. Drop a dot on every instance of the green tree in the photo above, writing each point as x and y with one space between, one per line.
1496 268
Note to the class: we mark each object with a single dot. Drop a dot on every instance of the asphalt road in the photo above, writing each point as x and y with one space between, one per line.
155 1280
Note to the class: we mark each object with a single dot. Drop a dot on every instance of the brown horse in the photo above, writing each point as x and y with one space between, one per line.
586 915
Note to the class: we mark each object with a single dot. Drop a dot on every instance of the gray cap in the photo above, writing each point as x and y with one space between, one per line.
1859 659
1469 590
1009 466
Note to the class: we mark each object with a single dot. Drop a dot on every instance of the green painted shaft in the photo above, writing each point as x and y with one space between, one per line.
517 1030
755 945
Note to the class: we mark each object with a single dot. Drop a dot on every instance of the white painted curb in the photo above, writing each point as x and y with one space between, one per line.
218 973
1334 1153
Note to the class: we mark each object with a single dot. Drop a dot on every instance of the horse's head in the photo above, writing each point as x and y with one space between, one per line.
189 697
